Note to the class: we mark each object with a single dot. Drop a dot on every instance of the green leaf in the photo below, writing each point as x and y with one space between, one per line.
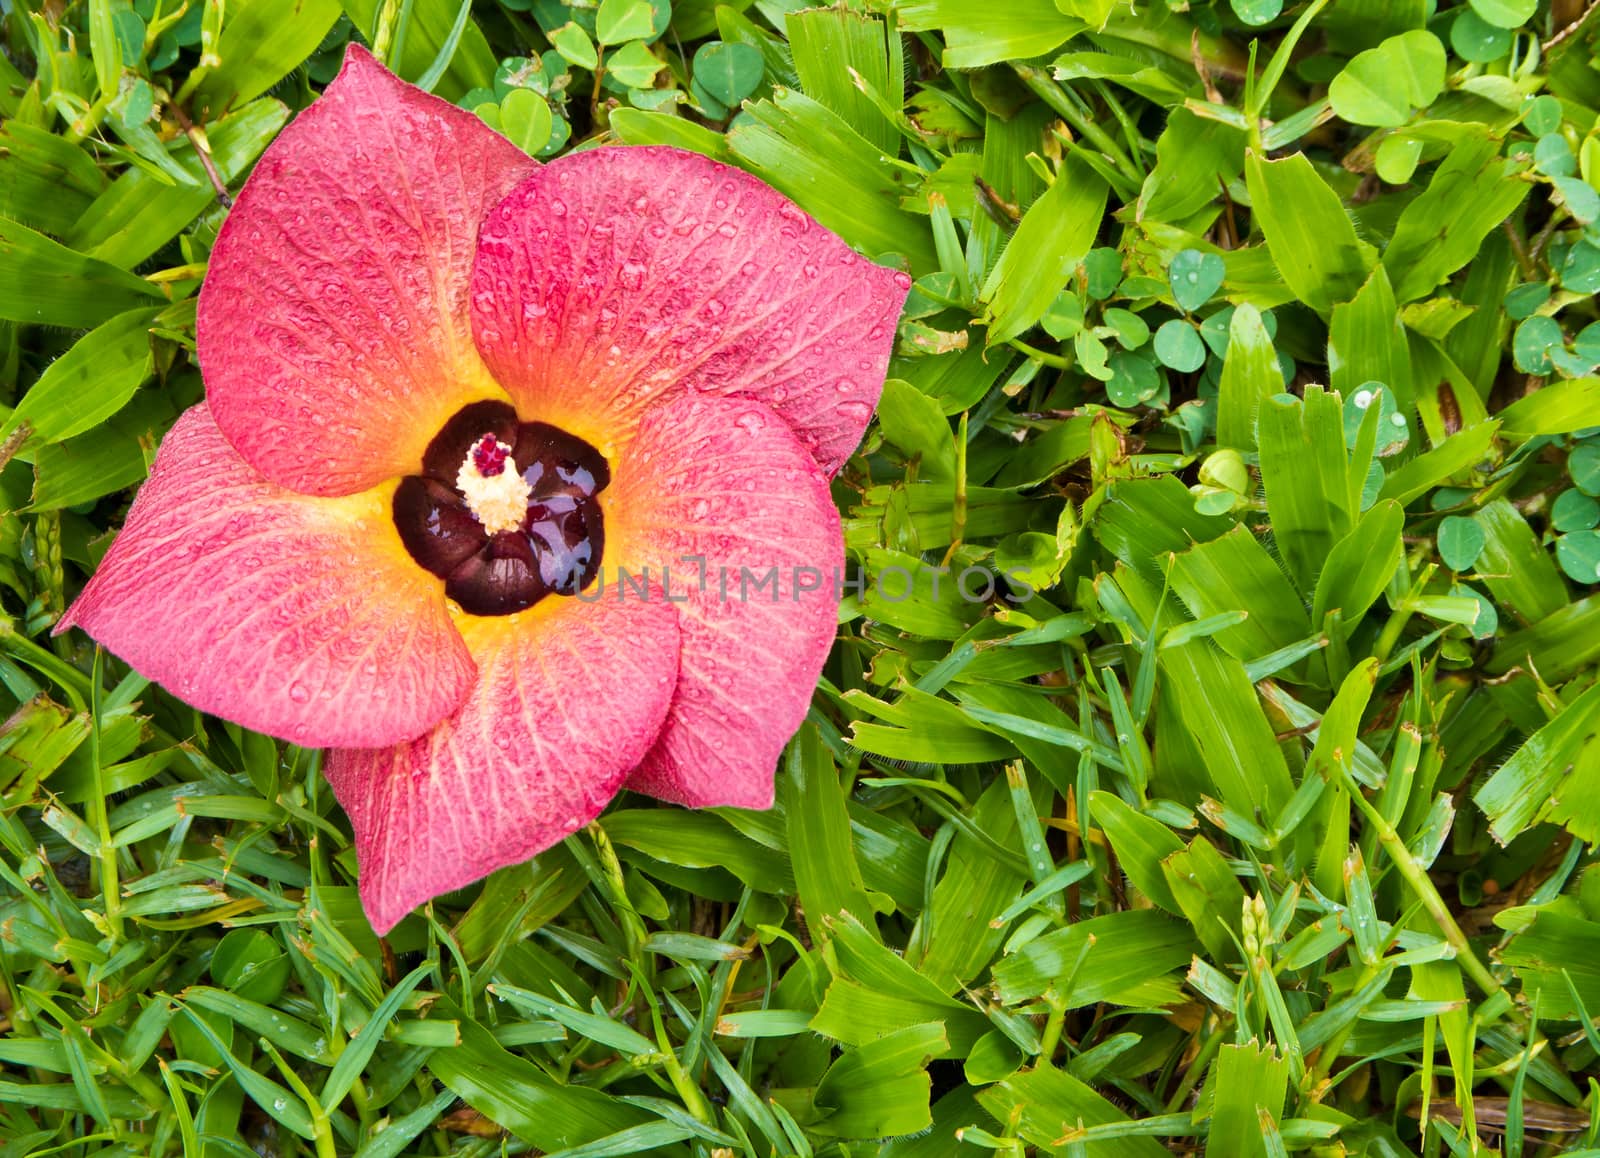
1054 235
1397 158
431 75
283 1030
277 1102
1543 115
1141 844
44 282
1460 542
1250 375
1555 957
1134 379
1156 80
1141 520
355 1055
764 1023
1520 575
876 991
1209 895
523 118
1581 271
1367 343
591 1026
1222 717
1583 464
261 43
1454 456
519 1096
620 20
429 28
849 62
1574 511
1525 299
1257 12
1553 157
103 46
1531 785
46 182
978 33
1042 1100
1477 41
638 127
634 65
1306 473
809 153
827 877
1580 198
1246 1091
1559 408
1505 13
956 938
1059 445
1234 572
1579 555
99 462
700 840
1196 157
139 214
250 964
1385 85
1312 241
574 45
917 425
729 72
1470 194
1110 958
1194 277
89 383
1178 346
1131 330
882 1087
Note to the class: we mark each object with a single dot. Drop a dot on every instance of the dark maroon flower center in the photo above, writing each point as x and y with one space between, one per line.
554 549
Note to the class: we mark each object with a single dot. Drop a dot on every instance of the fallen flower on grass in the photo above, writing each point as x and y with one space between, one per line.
447 388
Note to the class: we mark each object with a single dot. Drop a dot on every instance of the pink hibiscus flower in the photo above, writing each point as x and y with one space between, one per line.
496 466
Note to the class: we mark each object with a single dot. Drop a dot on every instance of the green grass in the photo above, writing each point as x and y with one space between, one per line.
1258 820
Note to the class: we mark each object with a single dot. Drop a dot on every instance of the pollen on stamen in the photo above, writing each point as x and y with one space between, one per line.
493 487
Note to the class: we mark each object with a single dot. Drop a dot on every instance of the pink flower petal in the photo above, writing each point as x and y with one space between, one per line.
611 276
333 332
569 698
725 479
296 616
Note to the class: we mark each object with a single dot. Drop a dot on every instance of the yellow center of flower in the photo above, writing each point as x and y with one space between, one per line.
493 486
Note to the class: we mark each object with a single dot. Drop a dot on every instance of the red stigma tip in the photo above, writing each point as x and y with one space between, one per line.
489 455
